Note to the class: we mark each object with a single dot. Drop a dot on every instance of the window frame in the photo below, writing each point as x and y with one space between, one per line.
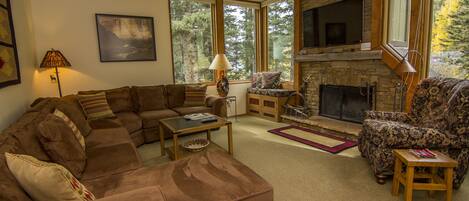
215 39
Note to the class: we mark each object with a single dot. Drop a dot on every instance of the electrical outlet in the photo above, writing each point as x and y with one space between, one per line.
53 78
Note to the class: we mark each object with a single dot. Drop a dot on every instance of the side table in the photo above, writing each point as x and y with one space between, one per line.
436 183
231 99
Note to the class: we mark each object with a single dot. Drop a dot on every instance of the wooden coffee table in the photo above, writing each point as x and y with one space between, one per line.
179 126
436 183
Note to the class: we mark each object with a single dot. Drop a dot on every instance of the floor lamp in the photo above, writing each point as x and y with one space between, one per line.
406 70
55 59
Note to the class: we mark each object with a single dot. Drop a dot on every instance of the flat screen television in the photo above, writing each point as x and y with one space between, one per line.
334 24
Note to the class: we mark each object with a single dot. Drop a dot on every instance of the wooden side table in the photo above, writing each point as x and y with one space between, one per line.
436 183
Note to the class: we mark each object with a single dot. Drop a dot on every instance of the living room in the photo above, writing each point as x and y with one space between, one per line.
294 100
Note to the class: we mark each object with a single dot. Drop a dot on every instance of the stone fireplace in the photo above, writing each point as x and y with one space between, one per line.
356 79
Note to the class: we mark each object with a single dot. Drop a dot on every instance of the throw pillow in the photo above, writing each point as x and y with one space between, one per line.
195 95
271 80
256 80
60 144
46 181
72 108
95 106
149 98
119 99
72 126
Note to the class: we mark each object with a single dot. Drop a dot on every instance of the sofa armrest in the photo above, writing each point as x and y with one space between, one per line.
218 105
152 193
392 134
389 116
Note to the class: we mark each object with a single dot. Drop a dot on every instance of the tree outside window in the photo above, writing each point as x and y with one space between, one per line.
191 26
280 38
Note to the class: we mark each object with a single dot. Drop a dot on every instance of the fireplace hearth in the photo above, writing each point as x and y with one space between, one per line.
346 103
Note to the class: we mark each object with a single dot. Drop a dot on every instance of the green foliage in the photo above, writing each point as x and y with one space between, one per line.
458 34
280 21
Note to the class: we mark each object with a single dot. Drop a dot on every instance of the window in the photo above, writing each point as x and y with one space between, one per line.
191 27
280 38
450 39
240 44
398 25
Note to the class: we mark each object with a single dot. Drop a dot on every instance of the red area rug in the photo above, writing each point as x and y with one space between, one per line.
327 142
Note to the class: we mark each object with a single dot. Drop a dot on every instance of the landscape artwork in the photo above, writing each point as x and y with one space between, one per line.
9 67
126 38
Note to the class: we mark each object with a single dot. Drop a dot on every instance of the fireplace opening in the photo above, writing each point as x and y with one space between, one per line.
345 102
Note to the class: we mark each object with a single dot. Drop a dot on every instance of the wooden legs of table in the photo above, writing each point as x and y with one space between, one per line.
175 147
449 183
409 183
163 151
230 139
397 175
209 135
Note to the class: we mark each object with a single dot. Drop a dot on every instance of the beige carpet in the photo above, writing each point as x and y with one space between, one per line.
299 172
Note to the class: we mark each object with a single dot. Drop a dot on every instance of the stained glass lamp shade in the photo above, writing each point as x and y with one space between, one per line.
55 59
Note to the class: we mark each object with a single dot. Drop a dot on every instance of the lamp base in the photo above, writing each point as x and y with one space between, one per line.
223 87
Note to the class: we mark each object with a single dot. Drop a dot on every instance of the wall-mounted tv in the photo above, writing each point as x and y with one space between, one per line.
339 23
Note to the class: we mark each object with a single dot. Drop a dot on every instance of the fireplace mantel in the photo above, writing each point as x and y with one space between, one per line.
341 56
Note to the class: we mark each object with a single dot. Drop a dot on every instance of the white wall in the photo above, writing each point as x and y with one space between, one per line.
70 26
14 100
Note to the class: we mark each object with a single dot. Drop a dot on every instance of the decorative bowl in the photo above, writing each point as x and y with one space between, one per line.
196 145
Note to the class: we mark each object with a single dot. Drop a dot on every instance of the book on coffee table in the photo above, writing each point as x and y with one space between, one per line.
200 116
422 153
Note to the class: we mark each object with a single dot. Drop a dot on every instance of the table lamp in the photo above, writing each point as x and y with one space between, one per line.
55 59
220 63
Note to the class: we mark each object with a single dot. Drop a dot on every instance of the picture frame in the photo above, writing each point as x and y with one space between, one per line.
124 38
9 62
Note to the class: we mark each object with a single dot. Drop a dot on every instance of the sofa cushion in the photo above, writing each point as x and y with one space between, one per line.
119 99
192 110
95 106
71 125
151 193
151 119
137 138
46 181
175 94
61 145
130 120
271 80
195 95
106 123
109 160
107 137
212 171
72 108
150 98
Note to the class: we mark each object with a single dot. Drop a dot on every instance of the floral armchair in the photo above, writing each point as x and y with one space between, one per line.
439 120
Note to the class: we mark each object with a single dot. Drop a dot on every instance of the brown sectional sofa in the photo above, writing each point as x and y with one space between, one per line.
139 109
114 169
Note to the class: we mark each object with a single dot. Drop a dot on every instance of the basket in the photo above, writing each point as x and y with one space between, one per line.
196 145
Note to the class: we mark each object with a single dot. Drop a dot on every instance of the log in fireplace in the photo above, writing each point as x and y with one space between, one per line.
346 103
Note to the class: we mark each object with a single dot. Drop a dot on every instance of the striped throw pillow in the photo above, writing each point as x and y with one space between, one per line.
95 106
195 95
71 124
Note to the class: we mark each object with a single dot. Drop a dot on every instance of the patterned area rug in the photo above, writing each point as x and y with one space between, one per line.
326 142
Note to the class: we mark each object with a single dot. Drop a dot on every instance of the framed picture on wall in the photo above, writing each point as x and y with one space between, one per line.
9 66
125 38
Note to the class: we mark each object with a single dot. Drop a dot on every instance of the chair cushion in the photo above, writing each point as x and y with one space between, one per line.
270 92
271 80
109 160
95 106
46 181
61 145
107 137
151 119
130 120
71 125
195 95
149 98
175 95
192 110
151 193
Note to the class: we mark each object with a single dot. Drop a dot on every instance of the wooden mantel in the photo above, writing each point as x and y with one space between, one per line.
341 56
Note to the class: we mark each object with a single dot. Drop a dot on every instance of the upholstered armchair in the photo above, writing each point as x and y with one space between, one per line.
438 120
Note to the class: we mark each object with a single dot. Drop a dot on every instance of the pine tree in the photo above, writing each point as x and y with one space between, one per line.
458 34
